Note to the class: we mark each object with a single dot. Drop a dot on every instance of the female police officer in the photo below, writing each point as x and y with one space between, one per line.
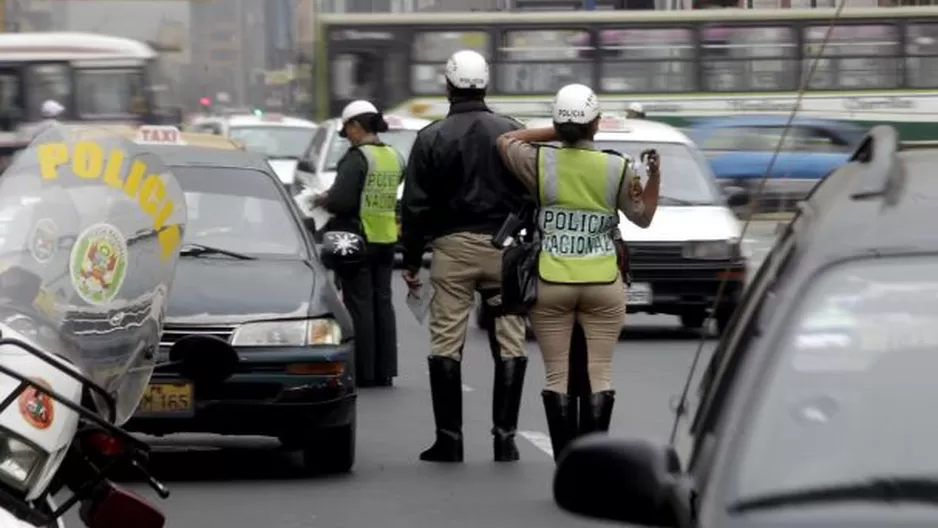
363 200
579 190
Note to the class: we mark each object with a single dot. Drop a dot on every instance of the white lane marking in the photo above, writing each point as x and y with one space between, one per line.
540 441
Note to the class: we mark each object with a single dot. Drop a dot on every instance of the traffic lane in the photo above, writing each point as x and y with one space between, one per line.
758 240
238 482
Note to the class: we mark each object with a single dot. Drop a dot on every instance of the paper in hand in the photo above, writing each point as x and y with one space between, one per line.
419 300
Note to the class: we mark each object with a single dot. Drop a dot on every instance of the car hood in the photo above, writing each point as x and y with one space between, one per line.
285 169
210 290
680 224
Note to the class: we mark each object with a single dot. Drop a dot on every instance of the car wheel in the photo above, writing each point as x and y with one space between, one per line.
693 320
330 450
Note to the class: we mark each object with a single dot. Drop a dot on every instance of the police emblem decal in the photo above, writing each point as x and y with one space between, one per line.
43 240
98 263
35 406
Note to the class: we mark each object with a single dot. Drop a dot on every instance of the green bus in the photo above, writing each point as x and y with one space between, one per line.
879 64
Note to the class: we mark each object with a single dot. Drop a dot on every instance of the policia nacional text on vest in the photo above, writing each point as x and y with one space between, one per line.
578 192
379 193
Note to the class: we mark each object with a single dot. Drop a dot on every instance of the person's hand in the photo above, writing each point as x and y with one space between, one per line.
319 199
412 280
651 160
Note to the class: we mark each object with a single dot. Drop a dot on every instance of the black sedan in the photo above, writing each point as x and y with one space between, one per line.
816 408
248 275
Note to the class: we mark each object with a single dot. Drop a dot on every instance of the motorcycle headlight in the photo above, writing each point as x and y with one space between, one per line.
19 460
288 333
711 250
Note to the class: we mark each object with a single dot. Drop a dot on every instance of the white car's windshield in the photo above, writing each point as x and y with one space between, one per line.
246 214
685 174
275 141
401 140
852 390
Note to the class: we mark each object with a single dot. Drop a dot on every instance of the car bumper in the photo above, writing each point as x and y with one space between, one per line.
264 398
679 288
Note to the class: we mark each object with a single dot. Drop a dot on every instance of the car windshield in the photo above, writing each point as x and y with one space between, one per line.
852 389
685 174
275 141
800 139
240 210
402 140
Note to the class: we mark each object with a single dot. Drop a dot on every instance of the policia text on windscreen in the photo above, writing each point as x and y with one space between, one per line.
363 200
457 196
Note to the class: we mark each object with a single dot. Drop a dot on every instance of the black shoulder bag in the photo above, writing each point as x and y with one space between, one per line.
519 265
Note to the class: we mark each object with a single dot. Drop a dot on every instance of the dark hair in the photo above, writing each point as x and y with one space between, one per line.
372 123
464 94
573 132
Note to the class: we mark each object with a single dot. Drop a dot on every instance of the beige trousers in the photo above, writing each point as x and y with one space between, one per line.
600 309
464 263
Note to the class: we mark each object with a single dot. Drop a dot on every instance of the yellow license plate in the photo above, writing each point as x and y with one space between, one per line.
167 398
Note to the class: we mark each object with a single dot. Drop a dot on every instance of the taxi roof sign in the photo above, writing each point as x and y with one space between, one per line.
159 135
393 121
613 123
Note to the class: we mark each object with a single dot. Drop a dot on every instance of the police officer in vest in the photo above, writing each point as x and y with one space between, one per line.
457 196
580 191
363 200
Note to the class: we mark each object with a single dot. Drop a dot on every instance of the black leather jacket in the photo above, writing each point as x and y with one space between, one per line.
455 180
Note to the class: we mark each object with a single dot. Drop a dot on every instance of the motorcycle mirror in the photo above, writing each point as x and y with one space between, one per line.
204 358
116 507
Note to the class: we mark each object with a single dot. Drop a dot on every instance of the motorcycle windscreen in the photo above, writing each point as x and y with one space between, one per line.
90 229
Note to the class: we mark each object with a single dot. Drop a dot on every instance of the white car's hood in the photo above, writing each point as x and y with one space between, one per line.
680 224
285 169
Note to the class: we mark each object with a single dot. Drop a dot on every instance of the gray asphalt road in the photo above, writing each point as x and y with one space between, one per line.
241 483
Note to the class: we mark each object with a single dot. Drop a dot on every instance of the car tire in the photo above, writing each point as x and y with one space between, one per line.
693 320
330 450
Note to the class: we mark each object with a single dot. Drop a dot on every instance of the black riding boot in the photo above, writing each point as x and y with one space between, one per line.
562 420
446 392
506 403
596 411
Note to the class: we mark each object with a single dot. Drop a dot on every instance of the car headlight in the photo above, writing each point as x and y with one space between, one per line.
288 333
711 250
18 460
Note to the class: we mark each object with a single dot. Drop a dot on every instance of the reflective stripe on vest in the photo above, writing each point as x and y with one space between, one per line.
578 194
379 194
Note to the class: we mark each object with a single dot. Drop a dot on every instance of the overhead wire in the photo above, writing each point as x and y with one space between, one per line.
681 408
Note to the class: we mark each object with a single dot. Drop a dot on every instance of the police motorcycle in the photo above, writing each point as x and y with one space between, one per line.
90 227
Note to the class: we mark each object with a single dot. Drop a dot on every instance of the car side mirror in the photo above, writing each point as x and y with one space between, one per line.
631 480
305 166
342 249
115 507
204 358
736 197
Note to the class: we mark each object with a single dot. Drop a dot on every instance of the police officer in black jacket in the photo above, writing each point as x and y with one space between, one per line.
457 195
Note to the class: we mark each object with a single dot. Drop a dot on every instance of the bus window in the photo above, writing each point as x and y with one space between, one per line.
110 93
430 51
542 61
857 57
44 82
741 59
11 103
647 60
922 63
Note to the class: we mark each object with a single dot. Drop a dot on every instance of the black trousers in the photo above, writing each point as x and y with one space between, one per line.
366 291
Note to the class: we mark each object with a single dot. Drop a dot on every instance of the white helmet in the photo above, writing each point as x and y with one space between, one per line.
357 108
467 70
575 103
51 109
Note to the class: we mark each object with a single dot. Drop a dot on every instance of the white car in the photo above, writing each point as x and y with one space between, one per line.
693 243
318 165
281 138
